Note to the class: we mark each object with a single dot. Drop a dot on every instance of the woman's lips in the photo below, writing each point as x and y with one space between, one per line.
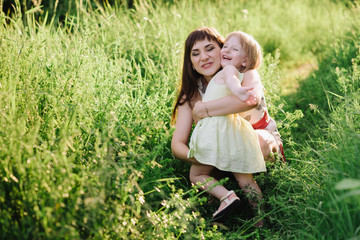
207 65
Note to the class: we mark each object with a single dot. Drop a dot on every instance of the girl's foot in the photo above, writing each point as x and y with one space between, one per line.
227 205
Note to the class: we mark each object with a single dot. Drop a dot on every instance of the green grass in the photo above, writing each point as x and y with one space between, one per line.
85 121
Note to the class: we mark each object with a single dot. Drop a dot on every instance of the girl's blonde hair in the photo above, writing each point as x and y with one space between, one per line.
251 47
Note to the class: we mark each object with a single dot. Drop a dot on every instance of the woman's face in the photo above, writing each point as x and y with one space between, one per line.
205 58
232 53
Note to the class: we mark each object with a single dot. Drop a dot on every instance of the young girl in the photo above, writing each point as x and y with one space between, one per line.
229 142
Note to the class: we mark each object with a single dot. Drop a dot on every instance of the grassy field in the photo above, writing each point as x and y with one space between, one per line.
85 125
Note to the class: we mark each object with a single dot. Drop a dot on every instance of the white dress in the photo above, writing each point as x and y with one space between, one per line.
229 142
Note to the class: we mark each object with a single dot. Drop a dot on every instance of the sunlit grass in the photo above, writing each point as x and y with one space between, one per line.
85 122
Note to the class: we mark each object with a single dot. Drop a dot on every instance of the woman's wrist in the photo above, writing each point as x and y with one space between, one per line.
207 111
199 111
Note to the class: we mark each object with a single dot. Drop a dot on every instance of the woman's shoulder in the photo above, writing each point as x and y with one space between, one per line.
191 102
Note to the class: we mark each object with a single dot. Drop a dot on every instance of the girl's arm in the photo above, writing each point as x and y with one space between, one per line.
230 76
179 142
230 104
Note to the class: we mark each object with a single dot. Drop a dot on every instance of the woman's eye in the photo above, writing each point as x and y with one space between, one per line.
210 48
195 54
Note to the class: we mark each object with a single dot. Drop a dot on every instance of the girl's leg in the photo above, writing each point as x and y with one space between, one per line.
251 190
201 174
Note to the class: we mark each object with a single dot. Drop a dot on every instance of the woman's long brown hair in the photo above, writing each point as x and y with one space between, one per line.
189 79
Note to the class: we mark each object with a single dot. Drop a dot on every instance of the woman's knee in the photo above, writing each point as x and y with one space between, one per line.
193 174
192 177
267 145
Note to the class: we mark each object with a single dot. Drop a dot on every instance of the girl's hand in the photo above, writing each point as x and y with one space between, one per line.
246 95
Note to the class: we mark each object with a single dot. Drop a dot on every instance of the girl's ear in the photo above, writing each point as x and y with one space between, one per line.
245 62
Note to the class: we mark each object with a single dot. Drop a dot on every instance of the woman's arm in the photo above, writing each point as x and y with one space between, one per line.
180 139
219 107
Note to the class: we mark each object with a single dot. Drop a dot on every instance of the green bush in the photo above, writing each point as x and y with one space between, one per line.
332 128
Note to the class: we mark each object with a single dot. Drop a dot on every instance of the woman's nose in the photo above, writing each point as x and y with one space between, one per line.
204 56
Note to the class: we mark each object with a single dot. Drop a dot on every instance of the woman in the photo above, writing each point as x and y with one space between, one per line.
201 63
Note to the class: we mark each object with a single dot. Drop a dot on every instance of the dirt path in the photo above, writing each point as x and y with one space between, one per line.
292 77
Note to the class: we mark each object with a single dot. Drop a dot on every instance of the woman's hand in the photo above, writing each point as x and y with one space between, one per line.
199 111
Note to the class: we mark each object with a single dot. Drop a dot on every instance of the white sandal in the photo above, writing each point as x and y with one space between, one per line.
231 204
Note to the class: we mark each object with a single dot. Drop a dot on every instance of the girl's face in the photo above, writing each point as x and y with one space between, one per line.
232 53
205 58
